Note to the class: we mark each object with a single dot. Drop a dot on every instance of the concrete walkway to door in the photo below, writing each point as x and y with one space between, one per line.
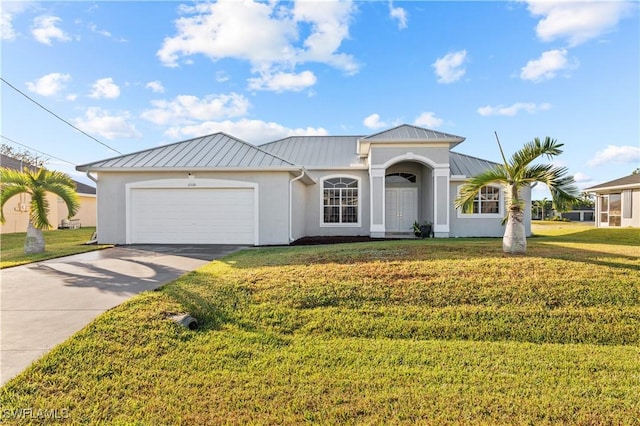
42 304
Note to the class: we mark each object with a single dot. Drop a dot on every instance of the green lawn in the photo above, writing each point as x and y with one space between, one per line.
59 242
397 332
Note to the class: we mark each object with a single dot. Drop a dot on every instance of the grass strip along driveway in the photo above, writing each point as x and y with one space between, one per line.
430 332
59 242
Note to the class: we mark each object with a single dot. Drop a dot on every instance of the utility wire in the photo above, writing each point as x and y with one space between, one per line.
57 116
36 150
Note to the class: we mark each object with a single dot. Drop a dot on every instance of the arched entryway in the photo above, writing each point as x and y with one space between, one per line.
408 196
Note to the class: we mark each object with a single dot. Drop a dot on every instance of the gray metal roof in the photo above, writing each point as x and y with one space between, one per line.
406 132
627 182
317 151
468 166
218 150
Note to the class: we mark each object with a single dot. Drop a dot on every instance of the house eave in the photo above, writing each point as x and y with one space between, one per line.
598 189
187 169
364 145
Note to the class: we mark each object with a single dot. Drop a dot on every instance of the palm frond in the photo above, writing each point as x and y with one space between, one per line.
39 209
68 195
8 192
12 177
522 158
469 190
560 185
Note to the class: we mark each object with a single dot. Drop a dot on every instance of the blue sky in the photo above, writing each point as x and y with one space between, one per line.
135 75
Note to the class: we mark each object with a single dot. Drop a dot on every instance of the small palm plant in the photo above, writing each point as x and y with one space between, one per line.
37 184
514 175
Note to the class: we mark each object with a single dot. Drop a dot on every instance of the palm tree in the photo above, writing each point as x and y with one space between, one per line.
37 184
514 175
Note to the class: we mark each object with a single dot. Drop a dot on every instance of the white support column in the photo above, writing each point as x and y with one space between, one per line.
377 227
441 201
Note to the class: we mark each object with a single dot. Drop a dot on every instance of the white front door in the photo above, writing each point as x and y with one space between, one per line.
401 209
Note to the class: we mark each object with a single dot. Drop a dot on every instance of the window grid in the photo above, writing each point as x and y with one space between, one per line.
487 201
340 200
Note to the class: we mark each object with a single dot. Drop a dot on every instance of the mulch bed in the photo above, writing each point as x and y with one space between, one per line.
309 241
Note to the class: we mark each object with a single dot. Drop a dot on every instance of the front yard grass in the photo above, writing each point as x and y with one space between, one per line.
59 242
396 332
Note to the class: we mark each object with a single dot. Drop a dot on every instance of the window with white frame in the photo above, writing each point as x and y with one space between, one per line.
340 201
487 202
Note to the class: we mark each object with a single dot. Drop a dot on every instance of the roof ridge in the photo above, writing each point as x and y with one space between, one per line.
234 138
424 129
257 147
149 149
311 136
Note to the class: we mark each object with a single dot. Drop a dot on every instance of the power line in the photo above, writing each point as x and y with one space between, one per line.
36 150
57 116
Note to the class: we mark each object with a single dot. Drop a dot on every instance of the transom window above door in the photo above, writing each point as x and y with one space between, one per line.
400 178
340 201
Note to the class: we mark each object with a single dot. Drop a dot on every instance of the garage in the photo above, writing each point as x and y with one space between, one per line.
211 212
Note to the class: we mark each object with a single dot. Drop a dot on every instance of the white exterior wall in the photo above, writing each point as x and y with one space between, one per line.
273 201
633 221
299 210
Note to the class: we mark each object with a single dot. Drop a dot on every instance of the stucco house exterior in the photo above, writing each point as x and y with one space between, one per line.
219 189
618 202
16 209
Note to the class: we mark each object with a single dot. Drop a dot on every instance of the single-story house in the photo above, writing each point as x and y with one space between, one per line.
220 189
618 202
16 209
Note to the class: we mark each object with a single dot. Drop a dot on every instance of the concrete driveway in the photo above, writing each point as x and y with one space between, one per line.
42 304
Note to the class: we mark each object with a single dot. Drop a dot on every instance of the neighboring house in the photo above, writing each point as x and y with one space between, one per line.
618 202
16 210
219 189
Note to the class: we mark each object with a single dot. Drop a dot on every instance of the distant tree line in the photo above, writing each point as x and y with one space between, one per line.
28 158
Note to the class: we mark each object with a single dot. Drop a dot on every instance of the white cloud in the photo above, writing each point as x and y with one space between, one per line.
450 67
6 25
50 84
94 28
428 119
45 30
222 77
577 21
581 177
105 88
329 27
282 81
514 109
373 122
266 34
253 131
547 66
186 109
400 14
616 154
156 86
111 126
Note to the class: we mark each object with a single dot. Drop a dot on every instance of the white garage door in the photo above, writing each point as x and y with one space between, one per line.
192 216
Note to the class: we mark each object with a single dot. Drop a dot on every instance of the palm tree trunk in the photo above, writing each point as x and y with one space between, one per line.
515 237
34 243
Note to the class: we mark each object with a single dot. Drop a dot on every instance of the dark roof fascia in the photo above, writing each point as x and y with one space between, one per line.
626 182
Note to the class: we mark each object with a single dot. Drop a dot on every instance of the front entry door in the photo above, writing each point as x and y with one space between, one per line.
401 209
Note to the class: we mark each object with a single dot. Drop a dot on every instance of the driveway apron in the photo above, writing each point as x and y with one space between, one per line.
42 304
